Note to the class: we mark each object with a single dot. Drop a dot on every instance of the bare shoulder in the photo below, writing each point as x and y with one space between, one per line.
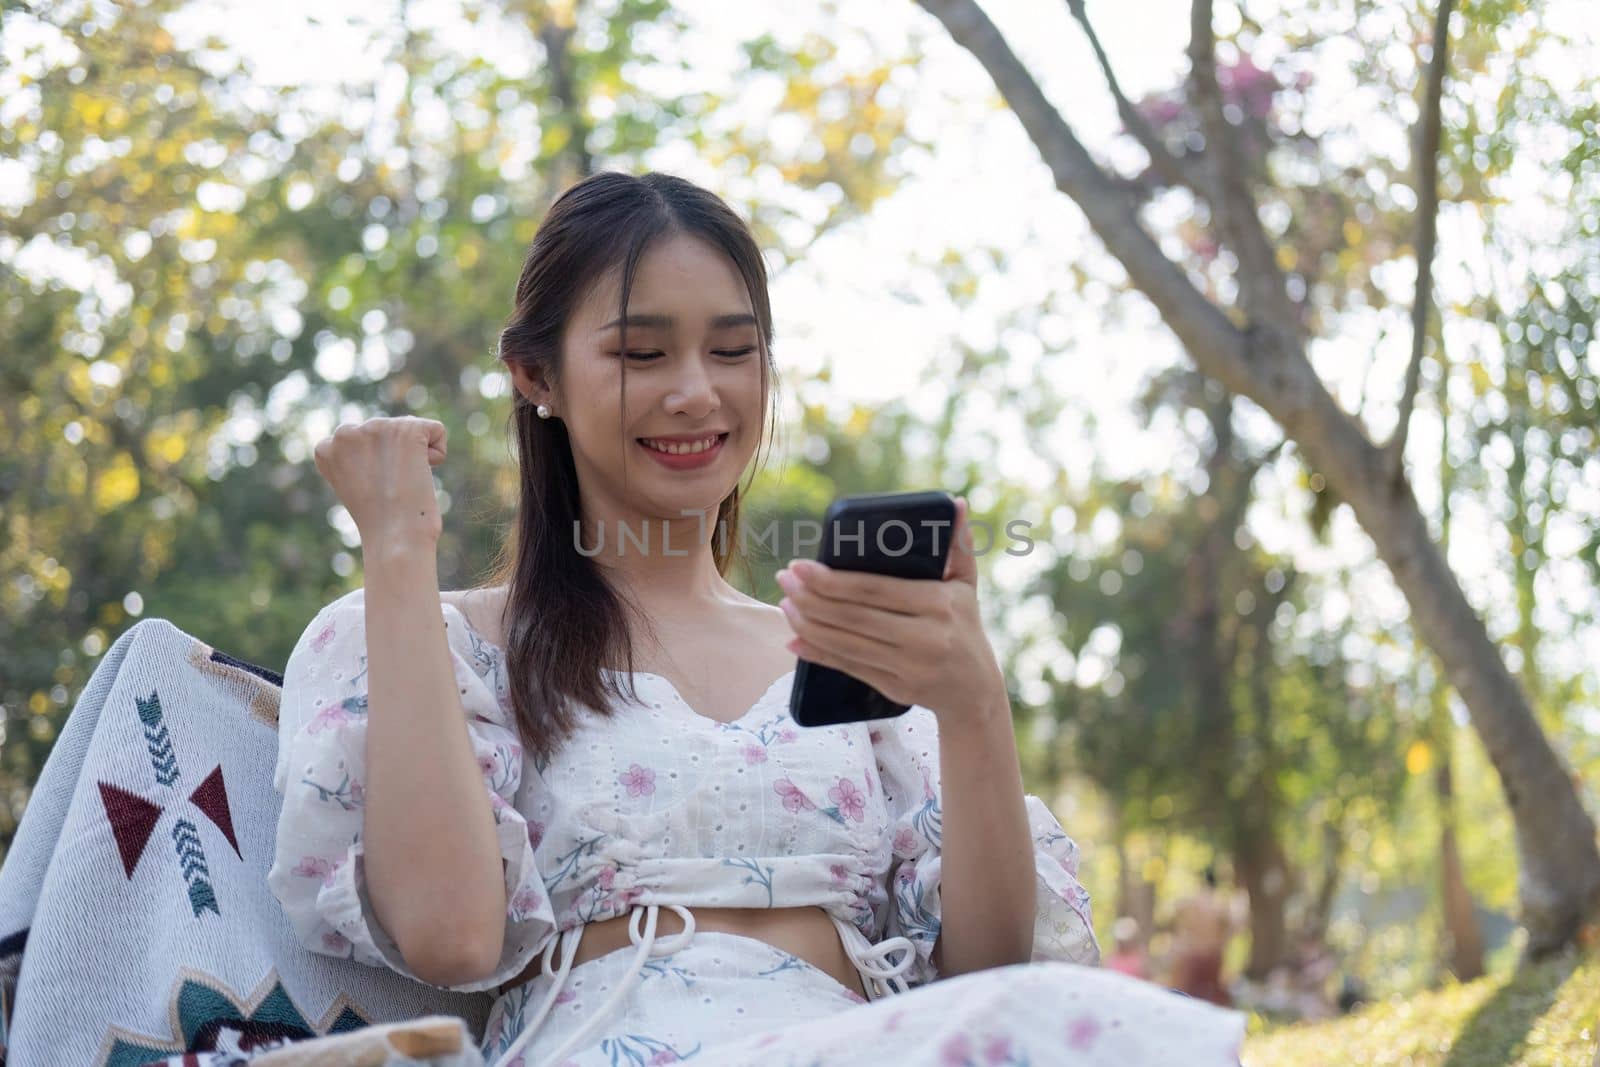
481 607
767 618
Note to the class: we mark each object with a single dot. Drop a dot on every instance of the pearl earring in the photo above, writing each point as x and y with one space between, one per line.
543 410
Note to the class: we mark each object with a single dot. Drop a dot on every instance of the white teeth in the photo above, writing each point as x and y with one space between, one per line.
675 449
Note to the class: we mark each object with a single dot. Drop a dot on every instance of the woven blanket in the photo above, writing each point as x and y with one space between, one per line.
136 925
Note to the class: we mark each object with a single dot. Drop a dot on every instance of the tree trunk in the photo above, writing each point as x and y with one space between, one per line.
1464 938
1263 870
1266 361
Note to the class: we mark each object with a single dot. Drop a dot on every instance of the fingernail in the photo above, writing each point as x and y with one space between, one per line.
805 568
786 581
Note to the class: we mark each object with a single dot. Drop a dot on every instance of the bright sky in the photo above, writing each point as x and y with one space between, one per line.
986 186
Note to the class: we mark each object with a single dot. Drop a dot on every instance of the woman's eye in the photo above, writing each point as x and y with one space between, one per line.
740 352
643 357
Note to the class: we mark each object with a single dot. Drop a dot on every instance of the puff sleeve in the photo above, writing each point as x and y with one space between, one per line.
907 752
318 870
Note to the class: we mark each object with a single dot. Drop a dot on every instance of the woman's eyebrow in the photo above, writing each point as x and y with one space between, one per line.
667 322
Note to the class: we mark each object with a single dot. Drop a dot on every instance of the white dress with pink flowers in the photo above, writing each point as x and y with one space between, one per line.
661 806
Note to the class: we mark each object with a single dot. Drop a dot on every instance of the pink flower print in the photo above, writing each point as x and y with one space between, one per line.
535 833
566 996
754 753
334 941
326 719
793 798
874 736
956 1051
313 867
665 1055
787 734
840 875
524 903
905 839
1082 1032
358 793
640 781
997 1049
488 766
894 1020
320 642
851 800
631 894
608 874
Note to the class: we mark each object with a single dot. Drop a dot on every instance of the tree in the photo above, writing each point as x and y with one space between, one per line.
1255 343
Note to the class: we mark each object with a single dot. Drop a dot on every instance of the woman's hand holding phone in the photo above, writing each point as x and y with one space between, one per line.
915 641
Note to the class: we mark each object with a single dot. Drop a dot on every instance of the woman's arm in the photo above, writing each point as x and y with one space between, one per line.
433 864
988 876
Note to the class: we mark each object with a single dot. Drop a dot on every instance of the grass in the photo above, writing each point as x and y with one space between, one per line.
1546 1015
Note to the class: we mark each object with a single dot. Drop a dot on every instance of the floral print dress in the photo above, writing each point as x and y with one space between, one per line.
659 806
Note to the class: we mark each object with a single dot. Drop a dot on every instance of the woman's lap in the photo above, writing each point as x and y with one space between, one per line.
727 999
719 988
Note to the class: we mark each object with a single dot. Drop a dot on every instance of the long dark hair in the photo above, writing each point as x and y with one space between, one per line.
563 621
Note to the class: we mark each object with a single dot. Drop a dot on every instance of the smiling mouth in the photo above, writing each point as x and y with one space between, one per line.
688 448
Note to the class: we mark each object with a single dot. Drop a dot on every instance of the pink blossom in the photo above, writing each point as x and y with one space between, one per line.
851 800
608 875
488 765
904 841
312 867
358 793
640 781
840 875
997 1049
874 736
793 798
754 753
326 719
334 941
535 833
525 902
565 996
955 1051
787 734
665 1055
1082 1032
320 642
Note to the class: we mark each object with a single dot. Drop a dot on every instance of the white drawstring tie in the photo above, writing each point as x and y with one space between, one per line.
648 946
882 977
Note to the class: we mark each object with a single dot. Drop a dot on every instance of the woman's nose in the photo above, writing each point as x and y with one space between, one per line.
696 393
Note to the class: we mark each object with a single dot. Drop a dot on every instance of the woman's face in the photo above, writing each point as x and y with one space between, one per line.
694 372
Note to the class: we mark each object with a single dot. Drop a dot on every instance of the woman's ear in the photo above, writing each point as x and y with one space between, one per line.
530 384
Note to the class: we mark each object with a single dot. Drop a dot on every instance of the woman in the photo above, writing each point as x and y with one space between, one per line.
789 881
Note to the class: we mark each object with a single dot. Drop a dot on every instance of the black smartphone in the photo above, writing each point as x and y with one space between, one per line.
902 535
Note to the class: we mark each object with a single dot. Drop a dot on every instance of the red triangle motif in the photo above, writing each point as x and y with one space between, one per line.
132 819
211 797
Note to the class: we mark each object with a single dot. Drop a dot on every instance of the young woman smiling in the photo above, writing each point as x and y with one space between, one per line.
490 789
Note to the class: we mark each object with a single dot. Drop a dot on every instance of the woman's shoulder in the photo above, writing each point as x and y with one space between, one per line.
481 608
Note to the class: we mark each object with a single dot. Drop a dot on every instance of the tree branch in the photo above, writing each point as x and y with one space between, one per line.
1428 232
1225 350
1168 164
1262 289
